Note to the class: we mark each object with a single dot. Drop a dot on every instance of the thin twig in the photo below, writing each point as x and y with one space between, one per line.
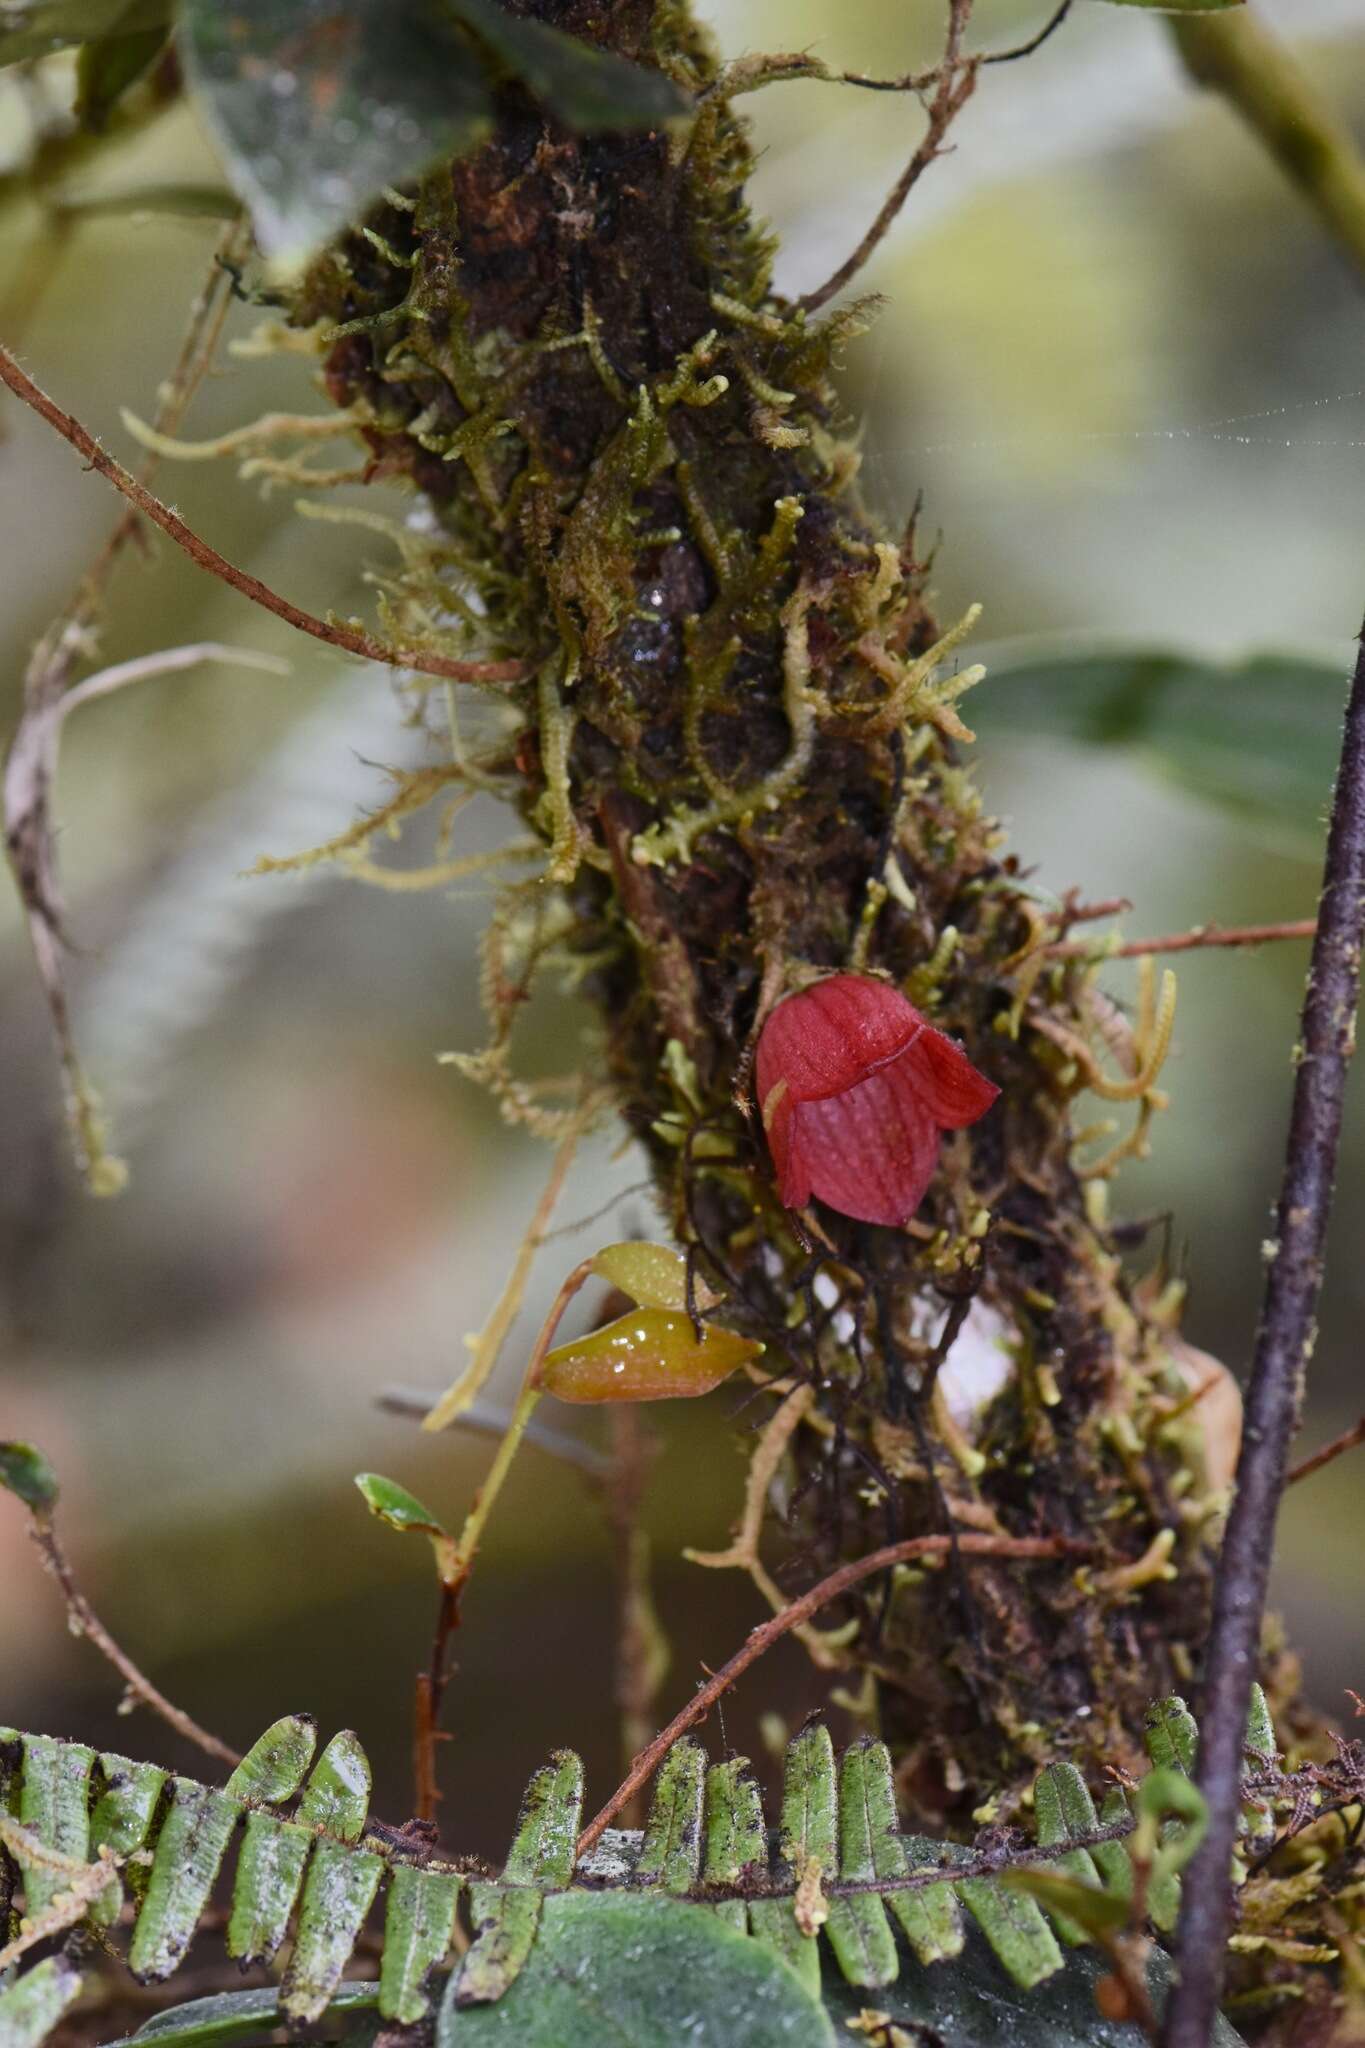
428 1698
67 638
1347 1441
750 74
1074 911
489 1419
1186 942
30 778
1284 1340
85 1622
348 638
1035 42
767 1633
955 82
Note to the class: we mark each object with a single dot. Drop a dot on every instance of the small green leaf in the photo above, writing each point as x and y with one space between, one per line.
1112 1859
858 1929
932 1919
1015 1928
586 87
122 1821
772 1922
809 1799
336 1798
1169 1794
1257 1820
106 69
266 1886
54 1802
1064 1809
505 1918
809 1808
338 1893
25 1471
1170 1735
236 2016
273 1768
670 1854
391 1503
189 1851
318 108
587 1981
418 1924
123 1812
652 1275
542 1851
1260 1735
1079 1910
736 1841
31 2007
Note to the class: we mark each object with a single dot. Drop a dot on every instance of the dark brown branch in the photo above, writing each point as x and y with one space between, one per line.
1347 1441
767 1633
85 1622
955 82
348 638
1035 42
428 1699
1283 1343
1187 942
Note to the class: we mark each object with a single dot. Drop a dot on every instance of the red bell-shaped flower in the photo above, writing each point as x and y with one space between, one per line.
854 1088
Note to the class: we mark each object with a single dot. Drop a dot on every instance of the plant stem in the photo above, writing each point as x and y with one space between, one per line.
1235 55
956 81
349 638
1199 935
85 1622
1347 1441
1284 1341
768 1632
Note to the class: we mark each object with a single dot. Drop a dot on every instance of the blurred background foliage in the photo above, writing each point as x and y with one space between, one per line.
1123 364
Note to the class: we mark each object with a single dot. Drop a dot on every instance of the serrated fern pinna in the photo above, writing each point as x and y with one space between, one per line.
116 1843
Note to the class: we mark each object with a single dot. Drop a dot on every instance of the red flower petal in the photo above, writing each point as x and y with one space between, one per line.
827 1037
870 1152
949 1086
854 1088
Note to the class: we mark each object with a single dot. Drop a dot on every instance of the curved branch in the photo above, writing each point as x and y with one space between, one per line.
769 1632
349 638
1184 942
954 84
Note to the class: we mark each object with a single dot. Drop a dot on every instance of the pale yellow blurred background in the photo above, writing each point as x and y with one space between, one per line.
1125 367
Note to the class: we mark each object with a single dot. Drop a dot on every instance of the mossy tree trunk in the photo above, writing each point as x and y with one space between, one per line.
634 458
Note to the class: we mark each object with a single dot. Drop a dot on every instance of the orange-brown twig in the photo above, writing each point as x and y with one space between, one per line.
1315 1461
1186 942
954 82
767 1633
349 638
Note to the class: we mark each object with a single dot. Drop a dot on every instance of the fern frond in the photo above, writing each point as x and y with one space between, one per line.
307 1858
